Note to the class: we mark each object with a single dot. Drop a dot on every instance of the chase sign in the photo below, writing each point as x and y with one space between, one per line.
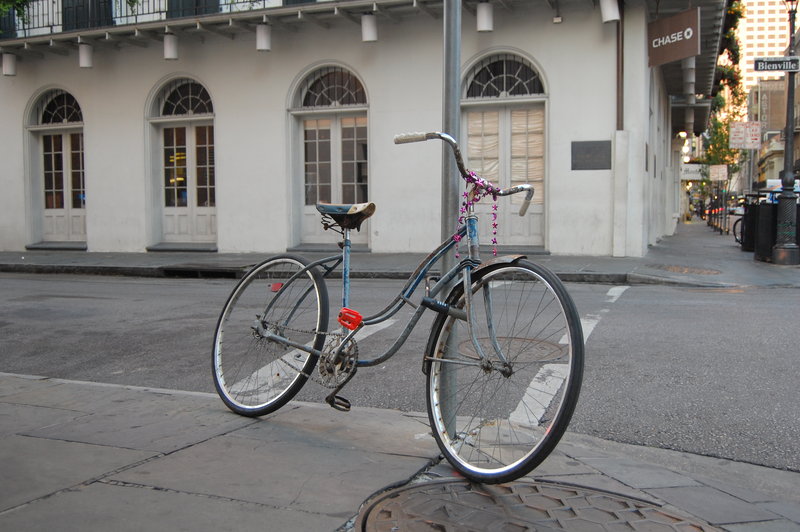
674 38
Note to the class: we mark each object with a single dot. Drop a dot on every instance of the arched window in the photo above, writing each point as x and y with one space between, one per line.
503 76
332 87
330 105
503 101
188 98
61 108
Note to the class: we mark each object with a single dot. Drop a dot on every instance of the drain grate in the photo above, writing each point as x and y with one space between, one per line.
523 505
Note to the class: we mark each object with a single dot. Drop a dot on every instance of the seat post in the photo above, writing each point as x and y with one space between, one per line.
346 268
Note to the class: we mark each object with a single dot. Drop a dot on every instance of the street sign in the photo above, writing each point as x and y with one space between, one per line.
777 64
745 135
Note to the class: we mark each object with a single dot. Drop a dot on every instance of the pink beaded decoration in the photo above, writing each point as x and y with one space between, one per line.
480 189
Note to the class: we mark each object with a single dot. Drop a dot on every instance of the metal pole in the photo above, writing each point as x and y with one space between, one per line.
786 250
451 121
451 124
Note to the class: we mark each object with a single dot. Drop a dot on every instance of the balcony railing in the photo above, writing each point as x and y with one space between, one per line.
44 17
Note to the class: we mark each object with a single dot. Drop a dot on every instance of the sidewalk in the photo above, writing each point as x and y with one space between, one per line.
81 456
695 256
88 457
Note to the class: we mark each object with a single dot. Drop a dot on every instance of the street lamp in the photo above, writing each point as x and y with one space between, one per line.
786 250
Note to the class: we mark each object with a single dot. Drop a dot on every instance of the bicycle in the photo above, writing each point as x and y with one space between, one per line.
503 362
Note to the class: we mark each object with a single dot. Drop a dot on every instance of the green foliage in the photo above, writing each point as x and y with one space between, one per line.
18 6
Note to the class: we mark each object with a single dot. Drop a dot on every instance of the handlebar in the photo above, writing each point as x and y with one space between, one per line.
406 138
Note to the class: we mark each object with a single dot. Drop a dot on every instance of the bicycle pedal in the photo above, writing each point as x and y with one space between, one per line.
338 402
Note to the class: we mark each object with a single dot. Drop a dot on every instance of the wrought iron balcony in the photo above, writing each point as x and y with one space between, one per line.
47 17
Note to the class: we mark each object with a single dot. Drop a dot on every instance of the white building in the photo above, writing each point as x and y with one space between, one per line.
109 145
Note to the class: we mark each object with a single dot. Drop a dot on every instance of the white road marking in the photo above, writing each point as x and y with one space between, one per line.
537 398
614 293
547 382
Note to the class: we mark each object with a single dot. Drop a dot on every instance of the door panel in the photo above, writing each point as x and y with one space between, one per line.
64 217
335 171
189 184
506 146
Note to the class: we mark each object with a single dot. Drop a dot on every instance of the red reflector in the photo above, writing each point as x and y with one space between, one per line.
276 286
349 318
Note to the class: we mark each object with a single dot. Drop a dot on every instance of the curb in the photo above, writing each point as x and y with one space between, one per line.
195 271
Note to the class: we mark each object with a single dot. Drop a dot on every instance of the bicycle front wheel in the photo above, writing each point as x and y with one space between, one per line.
496 416
737 231
281 296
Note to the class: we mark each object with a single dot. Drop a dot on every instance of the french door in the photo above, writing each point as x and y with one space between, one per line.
189 188
506 146
335 170
64 188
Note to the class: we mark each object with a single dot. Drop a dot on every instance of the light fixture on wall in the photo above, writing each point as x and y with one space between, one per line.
85 55
485 16
609 10
9 64
369 28
170 46
263 37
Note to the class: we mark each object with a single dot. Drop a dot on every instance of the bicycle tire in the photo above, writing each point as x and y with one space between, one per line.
737 231
494 428
253 375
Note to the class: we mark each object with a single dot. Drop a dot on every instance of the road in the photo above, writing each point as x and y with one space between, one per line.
706 371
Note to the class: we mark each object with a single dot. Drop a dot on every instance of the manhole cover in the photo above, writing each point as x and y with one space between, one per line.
456 505
684 269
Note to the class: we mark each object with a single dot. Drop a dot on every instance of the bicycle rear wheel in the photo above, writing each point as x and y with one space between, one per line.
493 420
253 375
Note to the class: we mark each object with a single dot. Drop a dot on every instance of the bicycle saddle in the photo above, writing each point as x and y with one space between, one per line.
349 215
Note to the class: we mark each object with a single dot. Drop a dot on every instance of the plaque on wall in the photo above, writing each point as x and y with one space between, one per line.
591 155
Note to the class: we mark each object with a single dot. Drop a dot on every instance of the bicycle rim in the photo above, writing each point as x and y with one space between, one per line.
254 375
495 422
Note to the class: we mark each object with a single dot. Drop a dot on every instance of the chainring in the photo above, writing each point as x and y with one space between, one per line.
333 375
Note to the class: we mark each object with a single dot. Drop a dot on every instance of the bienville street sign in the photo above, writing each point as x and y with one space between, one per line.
777 64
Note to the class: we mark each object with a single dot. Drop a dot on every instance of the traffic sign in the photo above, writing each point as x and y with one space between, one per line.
745 135
777 64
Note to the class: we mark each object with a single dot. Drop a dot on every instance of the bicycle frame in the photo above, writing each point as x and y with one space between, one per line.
414 281
463 268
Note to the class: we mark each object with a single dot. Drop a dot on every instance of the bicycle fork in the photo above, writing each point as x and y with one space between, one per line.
468 314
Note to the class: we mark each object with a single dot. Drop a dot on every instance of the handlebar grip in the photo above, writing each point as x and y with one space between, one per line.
526 203
404 138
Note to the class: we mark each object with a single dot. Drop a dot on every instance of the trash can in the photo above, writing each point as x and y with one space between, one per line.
765 231
748 228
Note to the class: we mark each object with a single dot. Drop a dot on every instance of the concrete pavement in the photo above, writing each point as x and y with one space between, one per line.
88 456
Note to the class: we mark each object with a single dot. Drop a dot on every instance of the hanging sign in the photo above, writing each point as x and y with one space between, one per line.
745 135
691 172
674 38
718 172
